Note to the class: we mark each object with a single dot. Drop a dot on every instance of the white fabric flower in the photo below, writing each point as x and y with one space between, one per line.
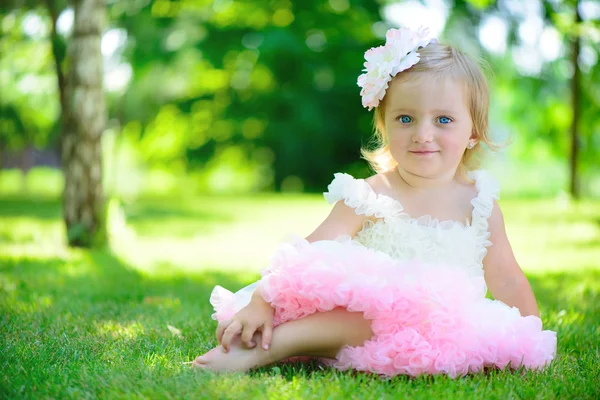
384 62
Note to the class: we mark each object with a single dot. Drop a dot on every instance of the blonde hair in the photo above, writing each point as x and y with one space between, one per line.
442 61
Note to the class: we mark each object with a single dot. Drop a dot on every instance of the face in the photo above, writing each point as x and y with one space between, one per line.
428 125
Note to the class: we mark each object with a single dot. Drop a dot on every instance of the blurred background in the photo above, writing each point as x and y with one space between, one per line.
152 149
209 101
239 96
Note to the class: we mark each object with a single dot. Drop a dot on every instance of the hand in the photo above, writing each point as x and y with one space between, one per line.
256 316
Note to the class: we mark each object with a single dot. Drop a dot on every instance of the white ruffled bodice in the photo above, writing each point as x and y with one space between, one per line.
431 241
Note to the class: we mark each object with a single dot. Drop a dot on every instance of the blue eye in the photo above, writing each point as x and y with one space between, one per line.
405 119
444 120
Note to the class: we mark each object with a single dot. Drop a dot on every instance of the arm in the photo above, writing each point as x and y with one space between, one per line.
342 220
503 276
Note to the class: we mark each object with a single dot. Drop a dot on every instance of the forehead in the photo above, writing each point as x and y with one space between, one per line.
426 92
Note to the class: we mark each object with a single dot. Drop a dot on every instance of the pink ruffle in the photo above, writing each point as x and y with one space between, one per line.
223 302
425 319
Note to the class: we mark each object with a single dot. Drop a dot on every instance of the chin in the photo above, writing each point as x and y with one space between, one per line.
423 172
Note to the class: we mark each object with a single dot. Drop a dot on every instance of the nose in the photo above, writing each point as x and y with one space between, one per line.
423 133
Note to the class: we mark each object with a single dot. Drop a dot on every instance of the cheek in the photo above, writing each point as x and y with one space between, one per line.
457 139
398 138
451 142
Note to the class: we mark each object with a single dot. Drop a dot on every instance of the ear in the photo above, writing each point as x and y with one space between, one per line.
474 137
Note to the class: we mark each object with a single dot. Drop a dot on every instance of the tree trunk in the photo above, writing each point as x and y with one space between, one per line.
58 53
576 106
84 122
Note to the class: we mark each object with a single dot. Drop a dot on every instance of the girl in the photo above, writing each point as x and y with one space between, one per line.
394 280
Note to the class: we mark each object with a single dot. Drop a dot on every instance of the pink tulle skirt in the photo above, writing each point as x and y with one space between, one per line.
425 319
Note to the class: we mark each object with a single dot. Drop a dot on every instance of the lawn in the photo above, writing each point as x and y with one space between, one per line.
119 324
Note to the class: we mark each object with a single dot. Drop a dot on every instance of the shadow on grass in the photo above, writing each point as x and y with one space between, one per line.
42 208
148 217
99 290
149 210
559 290
100 275
95 314
570 305
93 318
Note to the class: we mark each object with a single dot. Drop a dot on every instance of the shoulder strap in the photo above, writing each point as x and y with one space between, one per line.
358 195
488 189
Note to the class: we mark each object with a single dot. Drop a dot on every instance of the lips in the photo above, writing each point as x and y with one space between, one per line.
423 151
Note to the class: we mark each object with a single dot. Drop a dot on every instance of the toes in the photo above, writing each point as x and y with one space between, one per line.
200 360
206 357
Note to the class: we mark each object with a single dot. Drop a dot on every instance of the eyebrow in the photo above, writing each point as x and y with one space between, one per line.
410 110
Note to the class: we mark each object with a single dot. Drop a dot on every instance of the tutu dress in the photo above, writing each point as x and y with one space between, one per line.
418 280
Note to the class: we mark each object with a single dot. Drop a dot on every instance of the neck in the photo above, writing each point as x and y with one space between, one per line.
421 182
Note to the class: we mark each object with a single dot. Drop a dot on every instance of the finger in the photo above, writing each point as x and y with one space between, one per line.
232 330
267 336
221 329
247 334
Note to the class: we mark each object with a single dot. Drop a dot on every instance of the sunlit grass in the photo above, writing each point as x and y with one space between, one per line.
554 235
241 234
119 330
79 323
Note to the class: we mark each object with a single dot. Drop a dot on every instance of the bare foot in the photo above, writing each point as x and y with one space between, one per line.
239 358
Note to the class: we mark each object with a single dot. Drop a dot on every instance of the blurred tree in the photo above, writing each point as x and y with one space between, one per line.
59 50
546 80
84 120
564 16
82 117
574 186
28 104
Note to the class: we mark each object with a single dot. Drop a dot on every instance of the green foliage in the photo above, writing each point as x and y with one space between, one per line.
267 78
78 323
29 106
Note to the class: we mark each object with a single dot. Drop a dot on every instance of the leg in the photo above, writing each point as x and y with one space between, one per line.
319 334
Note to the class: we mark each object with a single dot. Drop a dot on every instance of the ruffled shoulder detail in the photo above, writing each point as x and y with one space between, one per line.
359 195
488 189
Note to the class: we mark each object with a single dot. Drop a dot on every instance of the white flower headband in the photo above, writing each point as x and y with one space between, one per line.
384 62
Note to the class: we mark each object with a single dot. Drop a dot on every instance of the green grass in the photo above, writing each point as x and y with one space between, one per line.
83 324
